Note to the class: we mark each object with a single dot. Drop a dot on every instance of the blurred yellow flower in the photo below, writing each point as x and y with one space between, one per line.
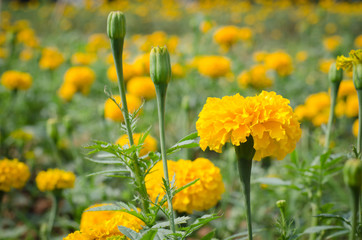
331 43
358 41
259 56
141 65
26 54
227 35
51 58
201 196
112 111
267 117
13 174
54 179
279 61
301 56
20 134
213 66
127 72
159 38
142 87
178 71
149 144
355 128
80 77
346 88
28 38
97 42
325 64
256 77
15 80
67 91
205 26
80 58
351 109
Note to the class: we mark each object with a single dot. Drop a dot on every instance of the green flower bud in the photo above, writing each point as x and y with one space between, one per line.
357 76
116 25
281 204
52 129
352 173
160 66
334 75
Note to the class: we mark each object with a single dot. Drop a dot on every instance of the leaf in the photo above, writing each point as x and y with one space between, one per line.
209 236
273 181
121 170
184 144
242 234
337 217
129 233
317 229
186 186
105 161
179 220
200 222
13 233
191 136
109 207
337 234
149 234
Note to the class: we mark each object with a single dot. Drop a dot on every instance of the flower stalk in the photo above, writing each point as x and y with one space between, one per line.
359 137
245 153
52 214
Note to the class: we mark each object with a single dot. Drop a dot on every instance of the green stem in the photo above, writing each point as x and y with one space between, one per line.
245 153
355 194
359 142
161 101
117 49
334 92
53 212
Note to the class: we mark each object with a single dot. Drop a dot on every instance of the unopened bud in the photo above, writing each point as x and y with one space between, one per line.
281 204
352 173
160 66
334 75
357 76
116 25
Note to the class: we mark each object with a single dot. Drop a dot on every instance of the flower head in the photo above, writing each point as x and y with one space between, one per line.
279 61
201 196
15 80
256 77
51 58
112 111
346 63
80 77
53 179
13 174
141 87
149 144
213 66
331 43
268 118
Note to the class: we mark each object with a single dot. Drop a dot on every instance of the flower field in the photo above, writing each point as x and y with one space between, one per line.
180 120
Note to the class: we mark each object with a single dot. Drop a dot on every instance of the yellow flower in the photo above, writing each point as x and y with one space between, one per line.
67 91
97 42
112 111
279 61
331 43
256 77
267 117
178 71
80 58
346 88
325 64
13 174
259 56
205 26
141 87
53 179
78 235
28 38
346 63
26 54
358 41
15 80
301 56
315 109
355 128
51 58
81 78
127 72
213 66
103 224
159 38
201 196
149 144
352 106
141 65
21 135
227 35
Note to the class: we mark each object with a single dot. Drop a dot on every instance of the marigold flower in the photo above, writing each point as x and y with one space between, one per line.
28 38
213 66
141 65
358 41
346 63
78 235
315 108
346 88
97 42
227 35
256 77
53 179
15 80
104 224
267 117
281 62
142 87
13 174
205 26
112 111
178 71
80 77
325 64
355 127
201 196
149 144
80 58
67 91
331 43
51 58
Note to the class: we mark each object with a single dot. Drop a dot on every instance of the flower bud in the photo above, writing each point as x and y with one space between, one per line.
116 25
160 66
281 204
52 129
357 76
334 75
352 173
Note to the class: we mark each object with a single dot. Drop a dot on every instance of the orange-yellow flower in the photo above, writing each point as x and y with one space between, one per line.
112 111
15 80
53 179
213 66
142 87
13 174
279 61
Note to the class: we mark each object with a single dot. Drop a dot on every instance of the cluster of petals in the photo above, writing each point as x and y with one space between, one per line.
13 174
54 179
15 80
201 196
267 117
346 63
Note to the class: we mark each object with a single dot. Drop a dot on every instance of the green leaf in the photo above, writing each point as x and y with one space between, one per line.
337 234
273 181
209 236
184 144
121 170
108 207
179 220
149 235
237 235
186 186
318 229
200 222
129 233
191 136
337 217
105 161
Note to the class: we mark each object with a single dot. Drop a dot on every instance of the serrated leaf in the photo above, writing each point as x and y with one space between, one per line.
129 233
104 161
191 136
186 186
109 207
121 170
200 222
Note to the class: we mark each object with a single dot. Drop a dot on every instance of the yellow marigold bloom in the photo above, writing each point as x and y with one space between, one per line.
301 56
346 88
51 58
13 174
141 65
53 179
112 111
325 64
267 117
15 80
358 41
355 128
352 106
26 54
149 144
28 38
142 87
205 26
331 43
256 77
67 91
81 78
78 235
227 35
104 224
346 63
259 56
245 33
127 72
279 61
178 71
97 42
213 66
80 58
201 196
